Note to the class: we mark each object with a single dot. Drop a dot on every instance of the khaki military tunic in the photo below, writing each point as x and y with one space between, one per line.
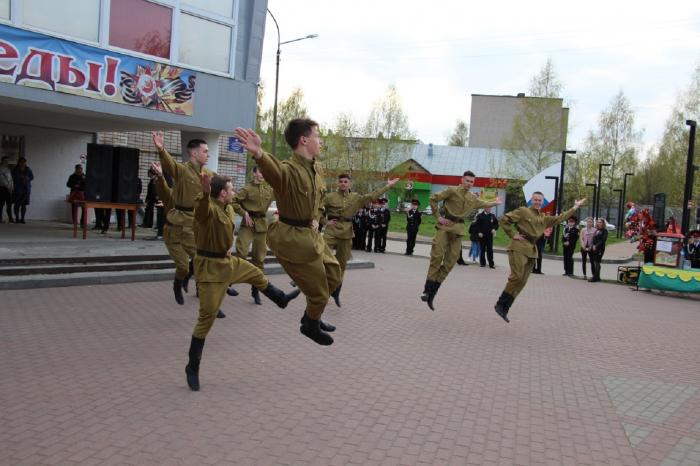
457 202
341 206
301 250
178 235
254 199
522 254
214 235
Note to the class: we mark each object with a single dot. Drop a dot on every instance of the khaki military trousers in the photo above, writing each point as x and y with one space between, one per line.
520 268
211 294
179 240
444 254
343 252
246 236
316 279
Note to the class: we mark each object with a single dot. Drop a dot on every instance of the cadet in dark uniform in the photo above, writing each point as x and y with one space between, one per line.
569 240
413 219
358 221
384 219
486 226
457 202
252 203
522 251
216 268
339 207
373 220
179 237
294 239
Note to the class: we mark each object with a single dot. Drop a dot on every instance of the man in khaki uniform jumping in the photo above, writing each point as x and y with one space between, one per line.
457 202
251 203
216 268
340 206
294 239
530 224
178 234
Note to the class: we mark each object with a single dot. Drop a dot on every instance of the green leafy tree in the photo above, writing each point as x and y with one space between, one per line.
287 109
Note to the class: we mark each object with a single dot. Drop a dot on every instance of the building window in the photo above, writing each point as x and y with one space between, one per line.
219 7
204 44
75 18
140 26
5 9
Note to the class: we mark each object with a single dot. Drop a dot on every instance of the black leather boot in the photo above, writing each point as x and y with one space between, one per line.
220 314
503 305
429 292
231 291
336 295
256 295
186 280
192 368
460 261
312 329
278 297
177 289
325 326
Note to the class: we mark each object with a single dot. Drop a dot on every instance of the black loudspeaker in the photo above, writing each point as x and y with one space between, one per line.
125 180
659 212
98 173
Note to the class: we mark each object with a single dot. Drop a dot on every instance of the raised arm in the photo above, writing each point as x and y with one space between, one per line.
551 221
269 166
364 199
167 161
202 207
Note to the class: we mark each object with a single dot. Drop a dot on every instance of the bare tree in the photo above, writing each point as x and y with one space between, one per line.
546 83
460 135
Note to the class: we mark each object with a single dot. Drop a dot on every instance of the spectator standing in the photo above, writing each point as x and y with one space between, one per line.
475 248
151 199
413 220
598 248
6 188
76 183
22 177
569 239
486 226
586 235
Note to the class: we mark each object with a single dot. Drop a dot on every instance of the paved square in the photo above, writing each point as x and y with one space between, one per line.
584 374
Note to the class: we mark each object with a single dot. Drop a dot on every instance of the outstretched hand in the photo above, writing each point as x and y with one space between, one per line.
205 179
392 181
158 139
157 169
250 140
579 203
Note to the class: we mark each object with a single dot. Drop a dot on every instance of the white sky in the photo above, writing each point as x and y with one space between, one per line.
439 53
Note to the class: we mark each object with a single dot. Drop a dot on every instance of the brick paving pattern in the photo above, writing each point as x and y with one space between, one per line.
95 375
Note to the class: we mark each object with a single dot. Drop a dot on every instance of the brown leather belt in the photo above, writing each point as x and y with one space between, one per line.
184 209
454 219
213 255
296 223
256 214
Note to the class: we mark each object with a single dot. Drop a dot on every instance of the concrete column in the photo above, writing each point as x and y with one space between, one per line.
212 141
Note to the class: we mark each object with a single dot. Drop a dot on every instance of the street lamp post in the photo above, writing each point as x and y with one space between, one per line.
624 190
599 189
689 173
277 78
556 207
595 197
619 212
560 195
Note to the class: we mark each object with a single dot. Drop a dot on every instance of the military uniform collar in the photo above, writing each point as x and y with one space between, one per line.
219 203
344 193
536 211
303 161
195 165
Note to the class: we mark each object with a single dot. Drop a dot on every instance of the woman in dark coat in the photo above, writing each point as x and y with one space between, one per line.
22 177
598 248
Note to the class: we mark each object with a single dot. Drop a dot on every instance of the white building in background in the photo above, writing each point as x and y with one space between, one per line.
71 69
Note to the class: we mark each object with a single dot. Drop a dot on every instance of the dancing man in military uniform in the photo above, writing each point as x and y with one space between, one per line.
179 237
294 239
530 224
457 202
252 203
216 268
340 207
413 219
